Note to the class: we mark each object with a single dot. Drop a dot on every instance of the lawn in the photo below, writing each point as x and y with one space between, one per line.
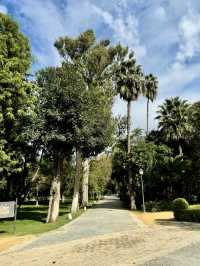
31 220
195 206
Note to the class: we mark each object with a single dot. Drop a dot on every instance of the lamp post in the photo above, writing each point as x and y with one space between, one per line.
141 172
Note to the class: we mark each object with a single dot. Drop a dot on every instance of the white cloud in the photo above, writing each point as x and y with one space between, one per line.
166 38
45 24
3 9
189 36
125 29
160 13
178 76
46 21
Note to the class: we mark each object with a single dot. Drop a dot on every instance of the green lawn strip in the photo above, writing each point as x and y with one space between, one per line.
31 220
195 206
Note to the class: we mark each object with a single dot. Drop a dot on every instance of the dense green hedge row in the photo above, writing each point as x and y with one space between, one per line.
189 215
182 211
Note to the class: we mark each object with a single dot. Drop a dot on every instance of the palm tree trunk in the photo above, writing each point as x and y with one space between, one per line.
75 200
86 167
130 179
54 201
128 127
147 116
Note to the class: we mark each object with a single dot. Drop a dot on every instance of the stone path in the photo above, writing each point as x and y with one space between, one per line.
186 256
106 217
111 236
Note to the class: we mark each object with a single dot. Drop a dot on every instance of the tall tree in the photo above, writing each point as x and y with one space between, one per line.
62 104
151 88
17 106
95 61
130 85
173 121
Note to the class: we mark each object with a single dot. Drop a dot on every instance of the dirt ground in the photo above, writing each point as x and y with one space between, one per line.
152 218
8 241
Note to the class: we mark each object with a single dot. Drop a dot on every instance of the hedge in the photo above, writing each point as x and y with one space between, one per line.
180 204
188 215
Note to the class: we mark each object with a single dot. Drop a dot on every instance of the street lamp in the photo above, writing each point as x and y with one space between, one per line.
141 172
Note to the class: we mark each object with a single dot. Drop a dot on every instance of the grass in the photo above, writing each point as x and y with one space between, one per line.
31 220
195 206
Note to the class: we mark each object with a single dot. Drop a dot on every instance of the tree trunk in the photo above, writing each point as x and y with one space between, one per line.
180 150
54 201
147 117
75 200
130 179
37 190
86 168
128 127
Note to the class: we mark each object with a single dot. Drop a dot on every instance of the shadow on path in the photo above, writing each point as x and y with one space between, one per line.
111 202
182 225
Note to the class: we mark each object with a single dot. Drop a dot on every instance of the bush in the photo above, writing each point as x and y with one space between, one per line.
163 205
150 205
180 204
188 215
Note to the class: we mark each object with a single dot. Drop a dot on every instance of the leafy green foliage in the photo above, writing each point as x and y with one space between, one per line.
174 121
100 173
63 101
94 63
180 204
130 80
151 87
188 215
163 205
17 105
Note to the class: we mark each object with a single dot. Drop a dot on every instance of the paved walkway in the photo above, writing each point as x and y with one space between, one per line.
106 217
109 235
186 256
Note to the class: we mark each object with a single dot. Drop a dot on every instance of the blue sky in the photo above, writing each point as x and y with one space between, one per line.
165 35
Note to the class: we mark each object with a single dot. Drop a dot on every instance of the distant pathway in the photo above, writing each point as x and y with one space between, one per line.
107 216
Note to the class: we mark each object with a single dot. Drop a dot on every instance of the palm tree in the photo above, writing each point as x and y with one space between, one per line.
151 88
174 120
130 85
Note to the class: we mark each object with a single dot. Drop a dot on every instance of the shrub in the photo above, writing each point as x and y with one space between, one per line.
150 205
180 204
188 215
163 205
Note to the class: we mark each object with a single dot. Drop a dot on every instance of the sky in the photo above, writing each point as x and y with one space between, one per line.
164 34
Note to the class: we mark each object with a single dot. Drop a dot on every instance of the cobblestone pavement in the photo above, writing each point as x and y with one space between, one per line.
107 235
186 256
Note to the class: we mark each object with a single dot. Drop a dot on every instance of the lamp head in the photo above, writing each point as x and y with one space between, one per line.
141 172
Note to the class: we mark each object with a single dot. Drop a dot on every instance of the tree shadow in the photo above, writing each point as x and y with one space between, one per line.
179 224
38 213
110 204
